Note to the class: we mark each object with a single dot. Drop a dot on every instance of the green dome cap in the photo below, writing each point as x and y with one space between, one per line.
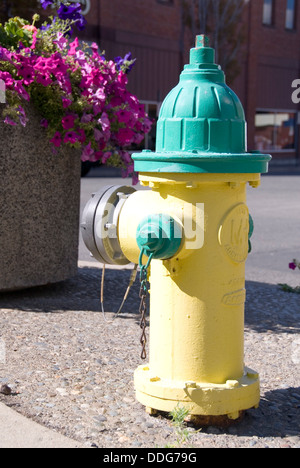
201 126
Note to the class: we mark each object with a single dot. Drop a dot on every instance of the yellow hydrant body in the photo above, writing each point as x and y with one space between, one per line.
197 297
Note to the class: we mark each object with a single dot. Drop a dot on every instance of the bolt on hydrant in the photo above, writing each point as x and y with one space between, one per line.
192 229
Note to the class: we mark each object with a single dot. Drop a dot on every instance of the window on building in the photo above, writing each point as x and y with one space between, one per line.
268 12
275 131
290 19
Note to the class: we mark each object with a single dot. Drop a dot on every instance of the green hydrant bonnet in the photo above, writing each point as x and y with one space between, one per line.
201 126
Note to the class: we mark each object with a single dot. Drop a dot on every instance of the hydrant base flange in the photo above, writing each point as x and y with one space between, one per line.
202 399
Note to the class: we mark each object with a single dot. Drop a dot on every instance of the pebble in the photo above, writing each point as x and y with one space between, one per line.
73 372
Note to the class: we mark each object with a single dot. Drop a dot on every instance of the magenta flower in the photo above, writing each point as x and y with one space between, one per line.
87 153
81 135
106 157
125 136
27 73
9 121
57 140
21 91
66 102
68 122
73 47
71 137
125 116
292 266
44 79
43 65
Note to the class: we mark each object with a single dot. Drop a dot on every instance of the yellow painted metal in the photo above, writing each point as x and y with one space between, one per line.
196 298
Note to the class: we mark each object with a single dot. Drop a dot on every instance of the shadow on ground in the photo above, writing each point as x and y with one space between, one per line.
268 308
79 293
275 417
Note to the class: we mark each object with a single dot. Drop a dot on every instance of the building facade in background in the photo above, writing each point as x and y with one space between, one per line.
155 33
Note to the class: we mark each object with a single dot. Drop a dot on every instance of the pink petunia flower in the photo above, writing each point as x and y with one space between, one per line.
43 64
34 40
81 135
87 153
61 41
73 46
21 91
9 121
68 122
27 73
71 137
106 156
125 136
98 134
104 122
44 79
30 28
66 103
22 116
57 140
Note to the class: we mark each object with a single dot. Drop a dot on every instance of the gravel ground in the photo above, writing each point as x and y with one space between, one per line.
73 372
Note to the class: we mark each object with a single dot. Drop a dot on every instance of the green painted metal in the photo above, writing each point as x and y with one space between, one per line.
159 235
201 127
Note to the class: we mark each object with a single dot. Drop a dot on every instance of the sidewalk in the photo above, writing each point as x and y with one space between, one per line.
20 432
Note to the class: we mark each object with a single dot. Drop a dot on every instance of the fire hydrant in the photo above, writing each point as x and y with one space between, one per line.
193 228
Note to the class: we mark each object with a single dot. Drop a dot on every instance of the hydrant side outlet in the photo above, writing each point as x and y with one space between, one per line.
159 235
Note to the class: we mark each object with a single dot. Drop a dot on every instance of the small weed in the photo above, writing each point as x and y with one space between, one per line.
179 415
290 289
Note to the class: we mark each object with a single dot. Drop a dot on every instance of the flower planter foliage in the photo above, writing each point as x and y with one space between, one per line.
81 96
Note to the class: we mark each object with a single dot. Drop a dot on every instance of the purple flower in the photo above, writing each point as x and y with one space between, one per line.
44 123
292 266
126 61
22 116
81 23
72 13
68 12
87 152
46 3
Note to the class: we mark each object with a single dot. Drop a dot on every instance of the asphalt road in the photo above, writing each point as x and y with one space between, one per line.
275 209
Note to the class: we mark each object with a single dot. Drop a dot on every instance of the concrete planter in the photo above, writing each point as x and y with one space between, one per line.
39 208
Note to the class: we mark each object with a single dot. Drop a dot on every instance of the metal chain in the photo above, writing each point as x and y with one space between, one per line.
143 297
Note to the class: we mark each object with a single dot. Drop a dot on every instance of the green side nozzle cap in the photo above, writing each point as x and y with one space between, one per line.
159 235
